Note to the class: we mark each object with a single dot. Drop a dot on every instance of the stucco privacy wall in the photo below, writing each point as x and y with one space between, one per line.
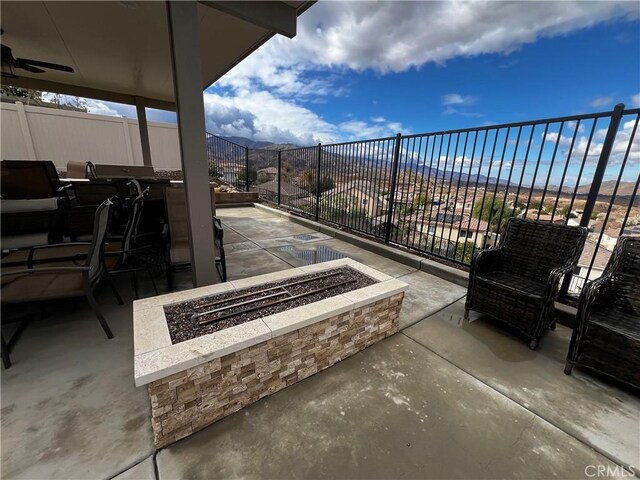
41 133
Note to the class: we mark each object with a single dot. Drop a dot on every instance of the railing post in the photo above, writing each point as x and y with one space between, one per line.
279 173
246 166
318 183
392 193
594 190
601 167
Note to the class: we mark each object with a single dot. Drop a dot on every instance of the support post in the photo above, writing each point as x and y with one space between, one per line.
318 182
279 174
594 190
144 131
392 193
187 81
247 183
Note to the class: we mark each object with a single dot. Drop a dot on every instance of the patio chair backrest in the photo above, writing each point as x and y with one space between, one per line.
95 257
532 249
135 212
176 203
26 179
624 269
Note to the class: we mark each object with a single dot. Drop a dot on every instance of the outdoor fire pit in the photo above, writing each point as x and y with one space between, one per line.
208 352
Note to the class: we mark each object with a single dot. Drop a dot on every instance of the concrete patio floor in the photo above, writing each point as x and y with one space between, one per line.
441 399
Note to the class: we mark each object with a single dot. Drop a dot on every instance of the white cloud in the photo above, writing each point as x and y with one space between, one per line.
396 36
457 99
602 102
635 100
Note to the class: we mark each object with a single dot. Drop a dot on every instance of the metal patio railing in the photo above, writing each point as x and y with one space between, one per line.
450 193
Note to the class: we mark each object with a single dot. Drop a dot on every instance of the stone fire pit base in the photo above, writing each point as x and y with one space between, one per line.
190 400
195 382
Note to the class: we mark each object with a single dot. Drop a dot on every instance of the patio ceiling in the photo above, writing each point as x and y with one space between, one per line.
121 49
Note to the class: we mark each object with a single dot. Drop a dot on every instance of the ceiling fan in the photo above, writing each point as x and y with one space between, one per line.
10 63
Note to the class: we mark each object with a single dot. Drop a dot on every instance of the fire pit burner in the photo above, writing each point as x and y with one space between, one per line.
187 320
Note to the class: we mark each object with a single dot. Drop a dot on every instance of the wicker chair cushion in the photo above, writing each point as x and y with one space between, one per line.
618 322
42 287
513 283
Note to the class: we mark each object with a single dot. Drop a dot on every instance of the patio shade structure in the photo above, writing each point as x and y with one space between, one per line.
148 54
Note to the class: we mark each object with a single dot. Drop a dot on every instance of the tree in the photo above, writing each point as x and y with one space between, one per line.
494 210
464 252
253 175
213 171
262 178
566 213
326 183
21 92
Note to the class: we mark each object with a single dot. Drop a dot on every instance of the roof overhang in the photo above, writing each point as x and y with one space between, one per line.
120 49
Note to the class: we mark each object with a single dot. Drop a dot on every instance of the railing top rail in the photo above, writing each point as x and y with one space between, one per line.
224 139
527 123
352 142
631 111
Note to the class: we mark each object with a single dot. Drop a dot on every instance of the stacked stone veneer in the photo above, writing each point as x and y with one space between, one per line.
190 400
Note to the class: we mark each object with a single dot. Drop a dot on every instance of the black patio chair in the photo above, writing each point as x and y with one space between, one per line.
518 281
606 338
73 279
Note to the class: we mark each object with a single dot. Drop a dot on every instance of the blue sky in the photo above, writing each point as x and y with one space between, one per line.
359 70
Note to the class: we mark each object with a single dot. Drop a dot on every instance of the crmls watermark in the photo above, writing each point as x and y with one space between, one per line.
608 471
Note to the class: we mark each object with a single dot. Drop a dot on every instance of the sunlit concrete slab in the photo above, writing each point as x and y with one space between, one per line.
395 410
586 407
292 240
259 228
300 255
231 236
427 294
243 212
253 262
240 247
142 471
69 405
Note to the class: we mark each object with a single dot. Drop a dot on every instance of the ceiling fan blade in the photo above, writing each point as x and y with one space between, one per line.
28 67
52 66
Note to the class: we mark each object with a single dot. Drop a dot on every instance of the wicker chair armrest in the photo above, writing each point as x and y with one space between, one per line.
483 260
591 292
555 276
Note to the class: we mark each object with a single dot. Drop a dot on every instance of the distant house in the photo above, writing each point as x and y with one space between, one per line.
356 196
456 228
288 191
582 273
269 173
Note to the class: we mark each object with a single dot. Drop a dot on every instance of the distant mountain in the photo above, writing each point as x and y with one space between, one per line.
608 187
247 142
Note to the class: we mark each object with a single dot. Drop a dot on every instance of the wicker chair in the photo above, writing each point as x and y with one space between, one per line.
607 334
518 281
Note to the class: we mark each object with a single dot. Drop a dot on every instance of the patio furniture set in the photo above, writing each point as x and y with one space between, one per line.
123 225
518 281
111 227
